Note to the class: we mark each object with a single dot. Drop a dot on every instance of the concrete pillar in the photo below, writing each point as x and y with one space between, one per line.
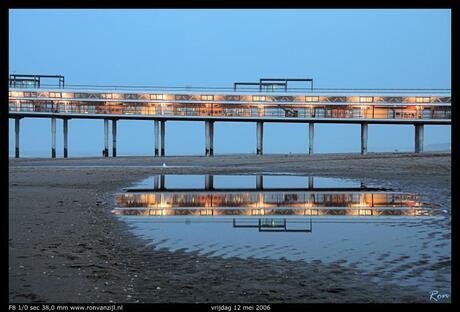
155 182
311 137
209 137
259 182
310 182
106 138
364 128
206 138
162 182
53 137
418 138
209 182
156 134
16 131
162 133
65 127
114 137
260 137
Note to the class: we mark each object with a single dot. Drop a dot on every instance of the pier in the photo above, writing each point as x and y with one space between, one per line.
306 200
273 101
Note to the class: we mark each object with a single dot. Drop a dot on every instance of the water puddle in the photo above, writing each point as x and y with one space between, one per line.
292 217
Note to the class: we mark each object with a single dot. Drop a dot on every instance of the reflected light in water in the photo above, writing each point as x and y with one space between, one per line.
265 202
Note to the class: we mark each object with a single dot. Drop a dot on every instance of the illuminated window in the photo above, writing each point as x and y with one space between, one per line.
311 99
206 212
311 212
366 99
9 93
106 95
423 99
157 96
257 212
157 212
257 98
55 94
365 212
207 97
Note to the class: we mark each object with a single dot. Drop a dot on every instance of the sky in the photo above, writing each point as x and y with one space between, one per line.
409 48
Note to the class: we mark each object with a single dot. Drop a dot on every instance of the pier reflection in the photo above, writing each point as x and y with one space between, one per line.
283 216
309 201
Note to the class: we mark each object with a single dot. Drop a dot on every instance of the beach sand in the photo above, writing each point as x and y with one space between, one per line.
66 246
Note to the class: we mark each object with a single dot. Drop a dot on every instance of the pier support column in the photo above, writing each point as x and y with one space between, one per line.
206 138
209 137
106 138
16 131
156 134
364 128
162 182
311 137
53 137
65 127
310 182
156 180
209 182
114 137
418 138
162 133
259 182
260 137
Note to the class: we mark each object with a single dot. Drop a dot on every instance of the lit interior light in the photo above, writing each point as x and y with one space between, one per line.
311 99
366 99
422 99
207 97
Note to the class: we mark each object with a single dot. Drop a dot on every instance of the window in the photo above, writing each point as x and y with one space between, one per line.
365 212
207 97
131 96
206 212
311 99
106 95
9 93
232 98
157 96
183 97
55 94
366 99
258 98
424 99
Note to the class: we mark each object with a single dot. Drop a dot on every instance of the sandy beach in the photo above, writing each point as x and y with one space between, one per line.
66 246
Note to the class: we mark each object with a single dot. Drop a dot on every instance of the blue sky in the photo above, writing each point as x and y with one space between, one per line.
338 48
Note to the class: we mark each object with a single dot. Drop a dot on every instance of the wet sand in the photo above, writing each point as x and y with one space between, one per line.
66 246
